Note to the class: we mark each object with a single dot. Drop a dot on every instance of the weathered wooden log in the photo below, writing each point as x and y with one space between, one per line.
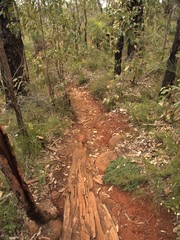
85 217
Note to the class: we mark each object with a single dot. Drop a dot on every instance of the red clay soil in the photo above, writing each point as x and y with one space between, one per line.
85 148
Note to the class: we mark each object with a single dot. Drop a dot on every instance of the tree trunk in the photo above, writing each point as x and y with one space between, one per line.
118 55
85 22
136 22
13 47
100 6
12 172
170 74
9 84
78 21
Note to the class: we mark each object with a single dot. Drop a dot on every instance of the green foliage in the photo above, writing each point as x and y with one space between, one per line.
91 65
168 142
11 219
170 99
97 29
173 199
27 146
97 59
83 79
124 174
43 123
76 68
164 182
114 94
98 87
145 112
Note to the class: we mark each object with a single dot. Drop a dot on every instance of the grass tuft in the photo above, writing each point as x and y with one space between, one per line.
124 174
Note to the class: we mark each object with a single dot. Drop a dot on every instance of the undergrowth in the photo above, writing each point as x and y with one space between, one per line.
11 220
44 122
124 174
98 88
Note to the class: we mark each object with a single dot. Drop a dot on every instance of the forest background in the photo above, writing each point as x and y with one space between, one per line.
119 50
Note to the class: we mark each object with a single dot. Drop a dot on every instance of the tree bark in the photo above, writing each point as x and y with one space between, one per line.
133 31
13 46
136 22
78 21
12 172
85 22
170 74
118 55
9 84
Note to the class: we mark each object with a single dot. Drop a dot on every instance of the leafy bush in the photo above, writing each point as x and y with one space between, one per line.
98 88
76 68
82 79
125 174
168 142
173 199
91 65
146 112
10 220
164 182
97 59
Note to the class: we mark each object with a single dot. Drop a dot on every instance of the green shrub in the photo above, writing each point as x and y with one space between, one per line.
164 182
11 219
82 79
124 174
114 94
98 88
168 142
76 68
91 64
173 199
97 60
146 112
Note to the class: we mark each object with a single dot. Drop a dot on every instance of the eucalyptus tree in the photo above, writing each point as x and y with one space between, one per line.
170 73
129 19
45 25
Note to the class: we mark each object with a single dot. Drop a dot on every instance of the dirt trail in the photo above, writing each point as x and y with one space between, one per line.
85 216
91 209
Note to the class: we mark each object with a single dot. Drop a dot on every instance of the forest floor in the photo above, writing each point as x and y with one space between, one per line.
77 162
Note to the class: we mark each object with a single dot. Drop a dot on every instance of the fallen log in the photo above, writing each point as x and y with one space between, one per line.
85 217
